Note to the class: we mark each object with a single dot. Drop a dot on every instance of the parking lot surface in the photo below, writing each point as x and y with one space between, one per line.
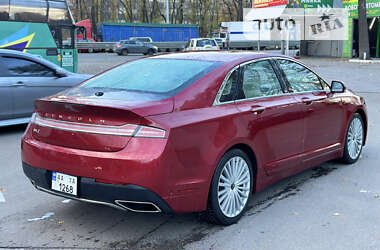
331 206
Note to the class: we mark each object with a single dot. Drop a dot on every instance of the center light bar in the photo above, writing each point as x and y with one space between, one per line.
131 130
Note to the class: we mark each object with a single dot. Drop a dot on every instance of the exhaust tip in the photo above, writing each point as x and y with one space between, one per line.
139 206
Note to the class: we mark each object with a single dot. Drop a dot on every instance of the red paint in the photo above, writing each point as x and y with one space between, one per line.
287 137
268 3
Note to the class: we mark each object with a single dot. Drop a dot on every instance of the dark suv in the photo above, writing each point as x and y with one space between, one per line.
131 46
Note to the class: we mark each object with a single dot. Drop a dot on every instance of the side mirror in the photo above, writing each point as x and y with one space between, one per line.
60 72
337 87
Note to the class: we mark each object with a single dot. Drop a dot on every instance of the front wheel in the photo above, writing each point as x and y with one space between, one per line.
354 140
230 189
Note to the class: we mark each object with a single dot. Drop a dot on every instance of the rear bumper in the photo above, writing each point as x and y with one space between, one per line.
126 197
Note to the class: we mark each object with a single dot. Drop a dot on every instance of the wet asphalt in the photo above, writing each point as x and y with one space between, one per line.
331 206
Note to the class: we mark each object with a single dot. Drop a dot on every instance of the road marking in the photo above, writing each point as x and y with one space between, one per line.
2 199
66 201
47 215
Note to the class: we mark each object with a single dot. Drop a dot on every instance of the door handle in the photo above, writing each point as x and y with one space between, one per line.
19 83
307 101
257 110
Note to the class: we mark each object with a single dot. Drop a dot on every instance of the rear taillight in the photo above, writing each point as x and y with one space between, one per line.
144 131
118 45
131 130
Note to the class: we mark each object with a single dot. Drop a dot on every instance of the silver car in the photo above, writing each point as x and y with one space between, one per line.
125 47
25 78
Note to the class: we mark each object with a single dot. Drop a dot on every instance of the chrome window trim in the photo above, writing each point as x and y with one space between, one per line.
221 88
217 102
304 65
284 94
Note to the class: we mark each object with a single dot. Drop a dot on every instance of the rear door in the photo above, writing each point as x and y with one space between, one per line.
272 118
6 99
30 81
322 111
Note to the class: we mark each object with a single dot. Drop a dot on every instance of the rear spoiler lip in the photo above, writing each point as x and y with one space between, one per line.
142 109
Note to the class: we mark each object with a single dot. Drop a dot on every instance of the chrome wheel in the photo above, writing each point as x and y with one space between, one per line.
234 186
355 138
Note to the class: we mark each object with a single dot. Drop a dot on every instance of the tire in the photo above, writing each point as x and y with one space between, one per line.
223 209
124 52
353 144
150 52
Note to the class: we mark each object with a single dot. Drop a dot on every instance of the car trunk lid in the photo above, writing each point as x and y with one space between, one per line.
95 124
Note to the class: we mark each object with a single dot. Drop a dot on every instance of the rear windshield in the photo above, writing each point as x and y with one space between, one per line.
202 43
152 75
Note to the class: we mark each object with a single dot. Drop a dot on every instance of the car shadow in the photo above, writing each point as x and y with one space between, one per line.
105 227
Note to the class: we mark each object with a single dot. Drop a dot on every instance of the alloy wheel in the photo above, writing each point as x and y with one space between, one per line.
234 186
355 138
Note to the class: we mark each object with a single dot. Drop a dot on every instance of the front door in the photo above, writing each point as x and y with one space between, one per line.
68 51
323 111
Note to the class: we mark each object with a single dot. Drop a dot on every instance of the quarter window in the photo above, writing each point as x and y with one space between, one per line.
259 80
299 77
228 93
25 68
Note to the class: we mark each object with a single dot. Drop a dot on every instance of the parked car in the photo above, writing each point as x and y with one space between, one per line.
125 47
25 78
219 41
190 132
141 39
202 44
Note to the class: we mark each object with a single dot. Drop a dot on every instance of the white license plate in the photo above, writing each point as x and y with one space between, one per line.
64 183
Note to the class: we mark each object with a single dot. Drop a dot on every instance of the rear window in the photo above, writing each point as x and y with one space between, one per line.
152 75
202 43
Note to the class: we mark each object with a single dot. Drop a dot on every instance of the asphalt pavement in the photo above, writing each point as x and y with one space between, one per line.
331 206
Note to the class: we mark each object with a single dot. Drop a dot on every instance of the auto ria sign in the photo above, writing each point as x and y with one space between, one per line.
296 24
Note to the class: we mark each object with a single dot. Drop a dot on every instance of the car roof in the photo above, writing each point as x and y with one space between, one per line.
222 56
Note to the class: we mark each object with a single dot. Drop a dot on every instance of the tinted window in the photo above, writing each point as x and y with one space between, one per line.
228 93
4 10
20 67
152 75
299 77
259 79
28 11
59 13
202 43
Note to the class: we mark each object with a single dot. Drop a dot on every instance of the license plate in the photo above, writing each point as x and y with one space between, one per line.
64 183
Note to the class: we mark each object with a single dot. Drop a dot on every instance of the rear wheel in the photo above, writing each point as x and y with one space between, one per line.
354 140
124 52
230 189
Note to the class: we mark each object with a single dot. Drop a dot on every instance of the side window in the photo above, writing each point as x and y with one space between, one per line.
25 68
300 78
259 80
228 93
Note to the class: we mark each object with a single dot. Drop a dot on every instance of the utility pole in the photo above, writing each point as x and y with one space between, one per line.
167 11
364 52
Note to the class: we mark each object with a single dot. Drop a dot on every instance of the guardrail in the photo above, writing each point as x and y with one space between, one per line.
110 46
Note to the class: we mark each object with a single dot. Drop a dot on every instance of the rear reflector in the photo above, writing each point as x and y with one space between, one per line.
124 130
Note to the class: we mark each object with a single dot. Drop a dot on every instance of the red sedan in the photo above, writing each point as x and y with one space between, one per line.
190 132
